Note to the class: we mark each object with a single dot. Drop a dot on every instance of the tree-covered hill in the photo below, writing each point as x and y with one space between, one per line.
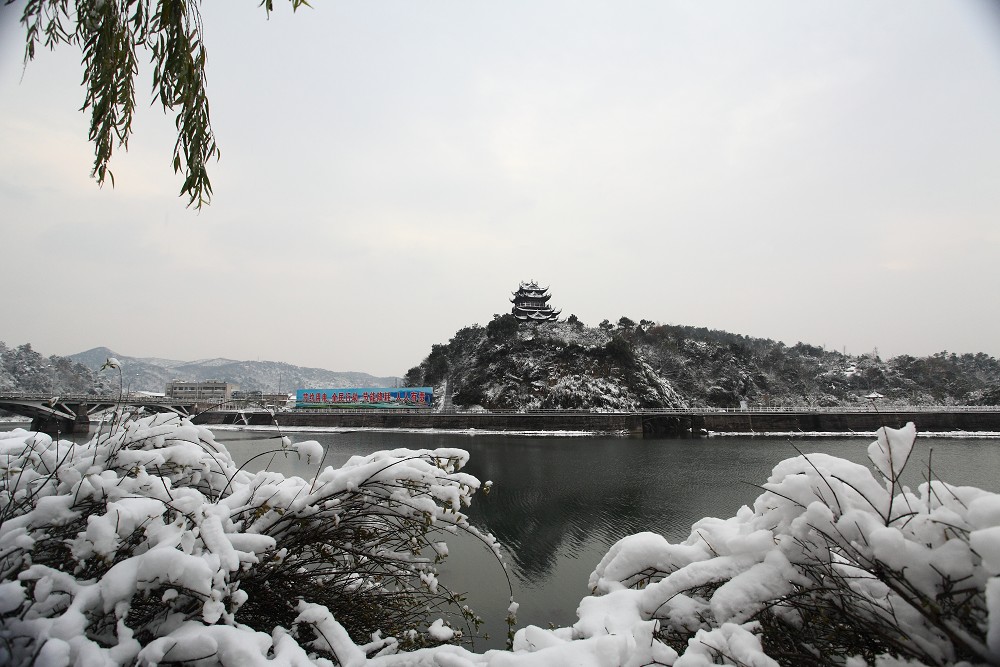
508 364
718 368
24 369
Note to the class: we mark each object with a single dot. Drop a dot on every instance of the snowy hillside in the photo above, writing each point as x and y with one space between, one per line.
627 365
24 369
570 365
542 365
718 368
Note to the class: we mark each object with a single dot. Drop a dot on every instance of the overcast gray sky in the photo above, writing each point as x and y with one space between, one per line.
824 172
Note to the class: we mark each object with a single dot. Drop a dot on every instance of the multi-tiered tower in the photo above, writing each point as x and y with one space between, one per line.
531 303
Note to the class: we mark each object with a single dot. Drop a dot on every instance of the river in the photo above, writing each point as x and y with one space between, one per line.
558 503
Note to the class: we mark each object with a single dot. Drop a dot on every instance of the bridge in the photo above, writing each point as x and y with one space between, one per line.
72 413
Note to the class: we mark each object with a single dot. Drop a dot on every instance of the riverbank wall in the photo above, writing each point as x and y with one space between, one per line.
647 424
548 421
604 423
847 422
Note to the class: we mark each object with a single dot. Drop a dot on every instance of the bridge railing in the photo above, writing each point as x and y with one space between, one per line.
131 399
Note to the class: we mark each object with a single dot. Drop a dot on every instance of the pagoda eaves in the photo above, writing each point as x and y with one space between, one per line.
530 303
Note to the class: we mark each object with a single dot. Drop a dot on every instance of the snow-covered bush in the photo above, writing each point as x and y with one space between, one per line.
832 566
148 545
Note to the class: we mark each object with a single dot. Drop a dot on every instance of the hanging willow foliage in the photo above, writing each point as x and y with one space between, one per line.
109 33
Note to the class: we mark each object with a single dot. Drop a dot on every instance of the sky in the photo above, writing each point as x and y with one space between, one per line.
824 172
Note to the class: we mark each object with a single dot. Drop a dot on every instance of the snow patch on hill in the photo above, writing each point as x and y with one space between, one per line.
548 365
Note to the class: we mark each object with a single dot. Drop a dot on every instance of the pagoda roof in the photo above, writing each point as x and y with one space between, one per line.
535 297
535 313
530 302
538 315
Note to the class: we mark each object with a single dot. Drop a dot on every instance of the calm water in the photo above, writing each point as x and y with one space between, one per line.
558 503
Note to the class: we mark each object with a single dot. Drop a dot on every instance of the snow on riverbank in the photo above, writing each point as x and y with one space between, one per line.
985 435
148 545
958 435
432 431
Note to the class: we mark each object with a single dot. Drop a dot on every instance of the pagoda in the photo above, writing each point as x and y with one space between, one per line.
531 303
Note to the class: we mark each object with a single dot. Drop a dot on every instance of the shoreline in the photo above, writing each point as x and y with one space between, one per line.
955 435
233 428
429 431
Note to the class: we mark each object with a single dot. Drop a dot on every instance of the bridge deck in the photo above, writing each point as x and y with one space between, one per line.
71 413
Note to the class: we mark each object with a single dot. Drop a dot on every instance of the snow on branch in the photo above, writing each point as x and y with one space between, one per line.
827 567
149 545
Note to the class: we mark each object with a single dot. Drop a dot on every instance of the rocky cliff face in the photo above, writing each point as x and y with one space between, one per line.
510 365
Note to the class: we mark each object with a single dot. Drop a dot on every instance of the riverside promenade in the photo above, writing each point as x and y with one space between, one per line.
646 423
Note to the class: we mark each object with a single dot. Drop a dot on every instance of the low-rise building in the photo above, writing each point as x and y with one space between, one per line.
205 391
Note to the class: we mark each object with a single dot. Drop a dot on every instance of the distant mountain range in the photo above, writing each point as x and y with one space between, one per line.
24 369
152 374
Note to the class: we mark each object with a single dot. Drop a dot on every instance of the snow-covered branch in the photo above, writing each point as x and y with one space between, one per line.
150 545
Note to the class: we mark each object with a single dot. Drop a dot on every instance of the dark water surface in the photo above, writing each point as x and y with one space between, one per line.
558 503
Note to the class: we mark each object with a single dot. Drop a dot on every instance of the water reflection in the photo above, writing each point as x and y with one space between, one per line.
558 503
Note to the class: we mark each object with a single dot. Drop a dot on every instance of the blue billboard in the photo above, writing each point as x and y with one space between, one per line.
365 397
